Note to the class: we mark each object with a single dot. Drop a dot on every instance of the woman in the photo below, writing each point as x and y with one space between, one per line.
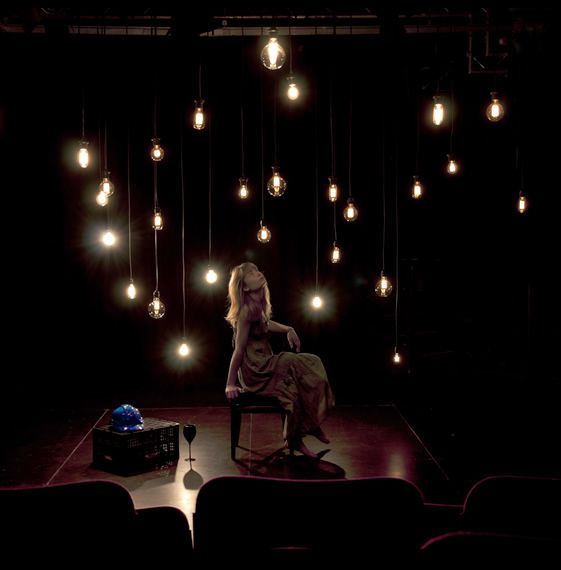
298 381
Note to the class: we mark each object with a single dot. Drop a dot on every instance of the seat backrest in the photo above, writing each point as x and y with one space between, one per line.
462 549
264 516
43 521
529 506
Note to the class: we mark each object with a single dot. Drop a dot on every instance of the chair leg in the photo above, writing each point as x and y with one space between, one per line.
235 426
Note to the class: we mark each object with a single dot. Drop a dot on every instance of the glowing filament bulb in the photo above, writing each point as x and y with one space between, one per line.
83 155
437 112
243 191
211 276
156 152
199 119
292 92
158 222
183 350
417 188
333 192
396 357
273 55
108 238
335 254
106 186
452 166
102 198
495 110
350 213
156 309
264 235
276 186
317 302
131 291
522 204
383 286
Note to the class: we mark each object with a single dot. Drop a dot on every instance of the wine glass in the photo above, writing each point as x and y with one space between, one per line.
189 433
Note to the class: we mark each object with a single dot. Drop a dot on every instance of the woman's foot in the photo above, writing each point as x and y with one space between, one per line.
318 433
298 445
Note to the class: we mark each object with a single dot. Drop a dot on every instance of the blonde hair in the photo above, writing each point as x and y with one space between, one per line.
237 295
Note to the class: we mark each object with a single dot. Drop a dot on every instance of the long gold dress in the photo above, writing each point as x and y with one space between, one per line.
298 381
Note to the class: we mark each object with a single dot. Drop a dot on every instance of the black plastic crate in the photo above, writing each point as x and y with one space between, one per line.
127 452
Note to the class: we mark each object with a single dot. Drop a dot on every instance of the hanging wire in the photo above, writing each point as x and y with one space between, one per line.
350 136
452 112
242 115
396 193
129 194
418 137
209 193
275 147
331 125
155 115
83 113
200 81
183 284
262 159
100 140
317 189
383 194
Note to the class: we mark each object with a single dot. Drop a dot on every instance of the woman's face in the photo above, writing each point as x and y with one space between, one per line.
253 279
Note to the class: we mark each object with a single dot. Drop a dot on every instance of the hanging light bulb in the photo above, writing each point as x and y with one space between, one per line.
317 302
335 253
437 111
106 186
333 192
156 152
396 357
522 203
183 349
102 198
452 166
292 92
495 110
350 213
84 155
199 118
131 291
277 184
158 222
264 235
211 276
417 188
383 286
108 238
273 55
156 309
243 191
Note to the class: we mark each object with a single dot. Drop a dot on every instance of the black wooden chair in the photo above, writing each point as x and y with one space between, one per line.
247 403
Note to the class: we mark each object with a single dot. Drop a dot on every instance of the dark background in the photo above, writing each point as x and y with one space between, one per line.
478 301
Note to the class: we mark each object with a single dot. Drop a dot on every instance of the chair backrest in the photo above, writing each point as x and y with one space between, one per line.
529 506
267 517
461 549
89 521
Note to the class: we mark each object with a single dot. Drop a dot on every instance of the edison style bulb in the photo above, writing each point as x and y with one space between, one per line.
106 186
396 357
335 253
131 291
108 238
437 111
333 192
156 152
199 117
156 309
383 286
83 155
264 235
243 191
522 204
452 166
292 92
276 186
183 350
317 302
417 188
273 55
495 110
211 276
158 221
350 213
102 198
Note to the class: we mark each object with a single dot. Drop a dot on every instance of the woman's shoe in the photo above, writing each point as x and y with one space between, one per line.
318 433
298 445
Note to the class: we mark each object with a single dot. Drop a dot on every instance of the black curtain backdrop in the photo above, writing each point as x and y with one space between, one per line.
479 308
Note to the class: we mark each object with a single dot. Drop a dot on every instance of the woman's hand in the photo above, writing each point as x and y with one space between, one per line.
293 339
232 392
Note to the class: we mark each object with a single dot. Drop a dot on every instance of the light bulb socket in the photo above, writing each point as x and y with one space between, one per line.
155 141
84 144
